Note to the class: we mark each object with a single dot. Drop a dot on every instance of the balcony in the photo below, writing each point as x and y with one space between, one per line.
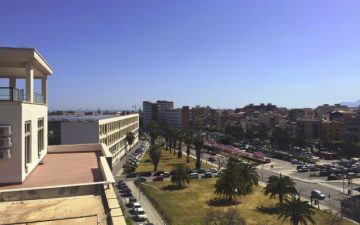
17 95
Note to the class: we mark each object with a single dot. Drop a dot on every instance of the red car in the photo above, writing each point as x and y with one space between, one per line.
158 178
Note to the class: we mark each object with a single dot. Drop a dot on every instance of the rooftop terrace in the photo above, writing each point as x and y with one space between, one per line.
63 169
87 210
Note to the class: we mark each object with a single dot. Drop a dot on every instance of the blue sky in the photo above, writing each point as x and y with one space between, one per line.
114 54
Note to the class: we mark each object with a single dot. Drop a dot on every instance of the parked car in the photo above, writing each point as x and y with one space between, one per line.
131 175
159 178
140 217
145 174
135 205
127 195
316 194
201 171
194 176
166 174
302 169
334 177
324 173
132 199
207 175
158 173
212 159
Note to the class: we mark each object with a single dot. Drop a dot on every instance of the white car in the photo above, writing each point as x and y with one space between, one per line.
194 176
135 205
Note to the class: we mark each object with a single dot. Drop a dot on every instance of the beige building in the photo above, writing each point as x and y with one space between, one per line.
41 184
108 129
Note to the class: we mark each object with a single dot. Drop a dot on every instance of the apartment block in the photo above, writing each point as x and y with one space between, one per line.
309 128
107 129
149 112
41 184
178 118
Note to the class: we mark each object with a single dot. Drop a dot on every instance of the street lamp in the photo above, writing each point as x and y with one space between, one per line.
236 192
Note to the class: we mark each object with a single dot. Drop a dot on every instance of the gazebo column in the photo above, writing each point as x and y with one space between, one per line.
44 89
29 76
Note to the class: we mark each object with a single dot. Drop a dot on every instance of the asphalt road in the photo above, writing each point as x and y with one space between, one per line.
304 188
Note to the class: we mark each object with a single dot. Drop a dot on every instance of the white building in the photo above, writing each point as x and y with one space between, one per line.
108 129
74 182
23 114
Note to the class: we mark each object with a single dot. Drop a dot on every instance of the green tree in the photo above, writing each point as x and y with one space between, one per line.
154 132
180 175
236 131
130 138
280 137
298 211
199 144
280 186
155 154
237 179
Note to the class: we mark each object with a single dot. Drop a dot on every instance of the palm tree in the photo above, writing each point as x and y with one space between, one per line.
188 141
249 177
180 138
167 135
237 179
281 186
155 154
154 132
175 138
199 144
297 210
180 176
130 138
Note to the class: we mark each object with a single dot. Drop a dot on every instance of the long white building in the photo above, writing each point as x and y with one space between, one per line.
108 129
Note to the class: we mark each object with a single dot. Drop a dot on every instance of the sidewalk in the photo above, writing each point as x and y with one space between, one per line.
153 216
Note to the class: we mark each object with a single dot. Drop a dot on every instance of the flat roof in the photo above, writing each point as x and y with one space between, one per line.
84 118
86 210
12 62
63 169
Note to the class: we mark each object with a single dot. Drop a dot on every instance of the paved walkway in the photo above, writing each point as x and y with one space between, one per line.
153 216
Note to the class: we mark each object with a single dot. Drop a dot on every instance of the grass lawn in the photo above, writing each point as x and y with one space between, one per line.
167 161
189 206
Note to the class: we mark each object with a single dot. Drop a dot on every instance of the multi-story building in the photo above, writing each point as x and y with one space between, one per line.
178 118
332 130
352 127
162 108
41 184
149 113
309 128
108 129
156 111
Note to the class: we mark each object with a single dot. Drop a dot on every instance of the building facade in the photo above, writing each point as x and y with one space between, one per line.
109 130
23 113
309 128
73 182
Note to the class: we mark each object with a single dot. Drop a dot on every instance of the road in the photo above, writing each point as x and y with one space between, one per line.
153 216
303 187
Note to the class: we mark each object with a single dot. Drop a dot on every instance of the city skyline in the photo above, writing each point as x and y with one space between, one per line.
225 55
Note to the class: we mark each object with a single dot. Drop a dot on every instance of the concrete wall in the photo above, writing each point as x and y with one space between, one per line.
34 112
79 132
11 169
15 114
50 193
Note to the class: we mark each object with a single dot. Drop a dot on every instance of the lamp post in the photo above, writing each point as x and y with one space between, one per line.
236 192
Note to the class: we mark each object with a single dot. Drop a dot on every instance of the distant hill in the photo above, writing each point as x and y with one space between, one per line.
351 104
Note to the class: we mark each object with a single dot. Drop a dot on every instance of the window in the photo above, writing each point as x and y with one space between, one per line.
40 136
27 142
